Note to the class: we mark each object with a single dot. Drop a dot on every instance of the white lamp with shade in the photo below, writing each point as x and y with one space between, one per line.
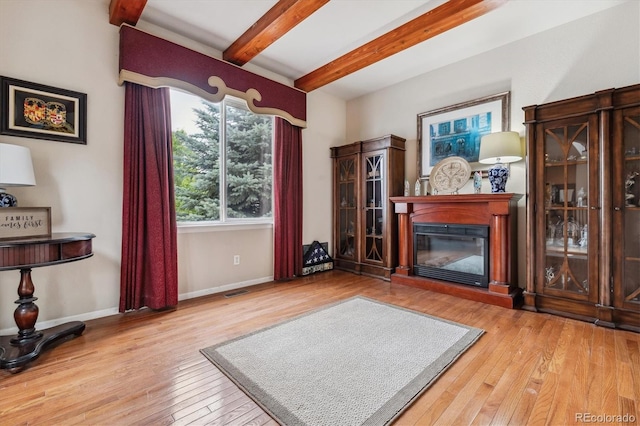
16 169
499 149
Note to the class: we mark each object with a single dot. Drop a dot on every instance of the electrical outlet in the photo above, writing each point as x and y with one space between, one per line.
236 259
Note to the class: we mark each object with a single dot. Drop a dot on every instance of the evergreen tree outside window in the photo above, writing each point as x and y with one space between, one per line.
222 160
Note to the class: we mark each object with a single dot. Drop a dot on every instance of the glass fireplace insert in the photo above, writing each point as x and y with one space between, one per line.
452 252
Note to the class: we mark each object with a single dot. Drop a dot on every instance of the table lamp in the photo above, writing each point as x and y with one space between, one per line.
499 149
16 169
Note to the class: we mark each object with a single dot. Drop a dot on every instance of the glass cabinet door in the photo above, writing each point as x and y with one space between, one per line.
374 197
347 209
565 267
627 212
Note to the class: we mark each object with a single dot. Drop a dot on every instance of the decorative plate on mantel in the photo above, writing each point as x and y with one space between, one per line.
450 174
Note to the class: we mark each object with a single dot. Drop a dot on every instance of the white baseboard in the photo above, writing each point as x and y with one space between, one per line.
113 311
224 288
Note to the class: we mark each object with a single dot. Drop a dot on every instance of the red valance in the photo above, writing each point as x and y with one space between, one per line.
152 61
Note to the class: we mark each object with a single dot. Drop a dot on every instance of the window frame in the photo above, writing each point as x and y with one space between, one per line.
226 223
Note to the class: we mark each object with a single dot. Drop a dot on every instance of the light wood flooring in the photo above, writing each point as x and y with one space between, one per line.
144 368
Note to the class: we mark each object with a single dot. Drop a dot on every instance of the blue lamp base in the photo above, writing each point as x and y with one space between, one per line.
498 175
7 200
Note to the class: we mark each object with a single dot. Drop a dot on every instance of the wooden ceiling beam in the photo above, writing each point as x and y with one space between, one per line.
443 18
280 19
125 11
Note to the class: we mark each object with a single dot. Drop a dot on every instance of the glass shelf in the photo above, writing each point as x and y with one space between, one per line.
560 251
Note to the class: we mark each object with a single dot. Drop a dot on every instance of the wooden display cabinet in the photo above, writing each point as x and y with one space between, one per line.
366 174
583 219
626 210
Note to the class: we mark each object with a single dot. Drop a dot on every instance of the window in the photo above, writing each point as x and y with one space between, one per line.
221 159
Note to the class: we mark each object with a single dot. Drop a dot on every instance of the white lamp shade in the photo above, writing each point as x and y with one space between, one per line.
16 168
500 147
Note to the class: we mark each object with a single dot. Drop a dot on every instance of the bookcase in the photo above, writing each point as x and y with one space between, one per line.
583 211
366 174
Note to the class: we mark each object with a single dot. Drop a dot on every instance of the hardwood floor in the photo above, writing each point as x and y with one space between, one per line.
144 368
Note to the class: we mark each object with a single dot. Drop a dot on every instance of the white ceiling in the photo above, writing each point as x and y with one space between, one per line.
342 25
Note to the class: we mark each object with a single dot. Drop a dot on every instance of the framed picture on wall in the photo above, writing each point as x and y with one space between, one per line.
456 130
43 112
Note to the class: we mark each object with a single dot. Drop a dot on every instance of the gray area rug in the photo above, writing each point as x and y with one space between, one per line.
356 362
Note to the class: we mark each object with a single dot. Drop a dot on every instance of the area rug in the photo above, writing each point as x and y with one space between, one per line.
356 362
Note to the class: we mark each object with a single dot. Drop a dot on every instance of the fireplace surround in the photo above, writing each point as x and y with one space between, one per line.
495 213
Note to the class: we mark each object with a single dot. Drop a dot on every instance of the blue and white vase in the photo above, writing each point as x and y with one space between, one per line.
7 200
498 175
477 182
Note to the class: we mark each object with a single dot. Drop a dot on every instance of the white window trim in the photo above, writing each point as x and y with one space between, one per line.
211 226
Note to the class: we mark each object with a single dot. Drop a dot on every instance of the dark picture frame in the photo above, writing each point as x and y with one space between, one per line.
37 111
456 130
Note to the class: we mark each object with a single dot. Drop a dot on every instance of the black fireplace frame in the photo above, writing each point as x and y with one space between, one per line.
454 230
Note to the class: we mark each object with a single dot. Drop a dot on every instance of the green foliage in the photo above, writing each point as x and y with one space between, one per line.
248 166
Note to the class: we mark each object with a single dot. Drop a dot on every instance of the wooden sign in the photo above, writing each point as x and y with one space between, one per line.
24 222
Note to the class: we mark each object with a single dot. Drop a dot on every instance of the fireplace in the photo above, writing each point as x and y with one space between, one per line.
478 227
451 252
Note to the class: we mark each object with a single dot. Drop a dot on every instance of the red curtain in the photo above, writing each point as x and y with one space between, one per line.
287 215
149 245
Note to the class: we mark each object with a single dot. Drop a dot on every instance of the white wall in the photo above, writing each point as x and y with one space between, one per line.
326 118
77 49
70 45
594 53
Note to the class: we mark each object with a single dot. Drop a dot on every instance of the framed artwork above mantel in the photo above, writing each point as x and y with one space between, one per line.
456 130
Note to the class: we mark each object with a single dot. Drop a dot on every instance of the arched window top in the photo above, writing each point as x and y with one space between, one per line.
152 61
